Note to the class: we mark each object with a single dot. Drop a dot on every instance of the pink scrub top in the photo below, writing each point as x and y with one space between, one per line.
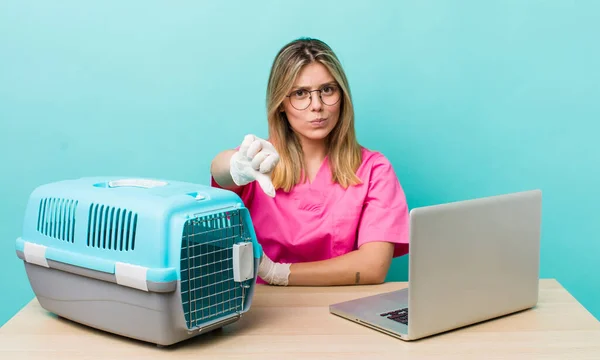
322 220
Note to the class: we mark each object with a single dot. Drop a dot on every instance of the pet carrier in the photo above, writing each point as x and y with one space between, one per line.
154 260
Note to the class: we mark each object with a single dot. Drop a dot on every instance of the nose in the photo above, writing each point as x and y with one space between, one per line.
315 103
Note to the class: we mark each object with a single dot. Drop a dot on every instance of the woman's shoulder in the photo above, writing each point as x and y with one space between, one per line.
376 168
373 158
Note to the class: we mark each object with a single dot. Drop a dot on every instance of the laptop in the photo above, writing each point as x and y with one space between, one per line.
469 261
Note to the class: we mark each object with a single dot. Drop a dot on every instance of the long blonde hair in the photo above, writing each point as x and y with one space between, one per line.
344 151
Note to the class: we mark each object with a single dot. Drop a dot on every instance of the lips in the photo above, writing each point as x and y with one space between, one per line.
318 123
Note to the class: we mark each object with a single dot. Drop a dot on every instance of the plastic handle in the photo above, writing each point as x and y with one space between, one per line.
197 196
143 183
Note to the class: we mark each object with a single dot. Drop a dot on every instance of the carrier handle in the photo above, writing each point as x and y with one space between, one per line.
143 183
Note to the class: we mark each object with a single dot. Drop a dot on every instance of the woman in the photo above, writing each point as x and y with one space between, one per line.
326 210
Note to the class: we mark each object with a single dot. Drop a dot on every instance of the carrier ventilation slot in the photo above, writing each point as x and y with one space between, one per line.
208 290
111 228
56 218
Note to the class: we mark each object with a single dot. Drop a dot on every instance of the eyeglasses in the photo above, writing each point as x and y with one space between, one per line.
302 98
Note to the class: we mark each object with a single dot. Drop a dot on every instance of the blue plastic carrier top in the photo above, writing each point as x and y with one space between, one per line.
132 228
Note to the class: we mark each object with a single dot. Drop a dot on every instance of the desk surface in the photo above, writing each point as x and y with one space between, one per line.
294 322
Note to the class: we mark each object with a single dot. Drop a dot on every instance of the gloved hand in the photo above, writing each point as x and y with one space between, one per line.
255 160
272 272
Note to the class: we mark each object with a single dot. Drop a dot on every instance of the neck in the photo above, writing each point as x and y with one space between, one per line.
314 150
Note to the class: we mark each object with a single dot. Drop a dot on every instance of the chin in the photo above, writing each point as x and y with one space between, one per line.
316 135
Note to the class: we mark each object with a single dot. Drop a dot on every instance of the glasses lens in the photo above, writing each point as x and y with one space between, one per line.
331 96
300 102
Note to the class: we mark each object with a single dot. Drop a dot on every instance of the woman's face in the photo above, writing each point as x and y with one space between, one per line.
310 117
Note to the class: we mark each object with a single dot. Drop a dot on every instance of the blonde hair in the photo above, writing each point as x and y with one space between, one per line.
343 149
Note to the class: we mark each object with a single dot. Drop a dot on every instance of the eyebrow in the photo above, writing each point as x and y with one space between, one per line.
332 82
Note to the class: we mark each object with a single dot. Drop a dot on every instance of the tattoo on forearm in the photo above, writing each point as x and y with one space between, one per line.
357 277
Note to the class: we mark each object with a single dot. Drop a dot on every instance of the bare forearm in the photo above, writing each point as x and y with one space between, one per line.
219 169
368 265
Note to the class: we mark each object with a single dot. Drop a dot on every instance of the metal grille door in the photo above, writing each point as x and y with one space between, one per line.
208 291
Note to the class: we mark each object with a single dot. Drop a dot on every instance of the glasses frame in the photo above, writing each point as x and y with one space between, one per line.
320 96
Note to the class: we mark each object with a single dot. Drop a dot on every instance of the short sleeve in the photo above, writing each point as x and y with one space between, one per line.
385 212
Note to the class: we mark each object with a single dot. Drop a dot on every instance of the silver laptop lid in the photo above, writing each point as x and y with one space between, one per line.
473 260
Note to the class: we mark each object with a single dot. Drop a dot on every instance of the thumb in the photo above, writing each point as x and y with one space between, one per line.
264 181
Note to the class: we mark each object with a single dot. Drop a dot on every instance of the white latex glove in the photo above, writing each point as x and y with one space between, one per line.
273 273
255 160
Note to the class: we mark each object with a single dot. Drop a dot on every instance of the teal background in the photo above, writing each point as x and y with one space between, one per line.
465 98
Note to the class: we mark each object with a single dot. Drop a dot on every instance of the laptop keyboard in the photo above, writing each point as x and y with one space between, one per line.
400 315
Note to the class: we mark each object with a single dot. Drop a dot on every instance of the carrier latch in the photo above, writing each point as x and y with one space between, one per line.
243 261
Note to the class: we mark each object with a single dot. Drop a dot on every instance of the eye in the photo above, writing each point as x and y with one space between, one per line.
300 93
328 90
